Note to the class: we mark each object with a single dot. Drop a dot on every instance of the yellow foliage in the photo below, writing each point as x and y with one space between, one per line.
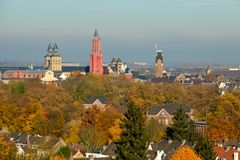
115 131
75 128
5 148
185 153
58 158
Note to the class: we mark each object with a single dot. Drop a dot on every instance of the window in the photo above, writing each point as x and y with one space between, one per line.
166 121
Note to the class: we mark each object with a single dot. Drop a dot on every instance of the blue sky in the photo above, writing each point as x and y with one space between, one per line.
194 31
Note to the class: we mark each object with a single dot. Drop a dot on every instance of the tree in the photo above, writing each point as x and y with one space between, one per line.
65 152
155 130
18 88
223 120
90 139
185 153
7 149
115 131
182 127
133 140
205 150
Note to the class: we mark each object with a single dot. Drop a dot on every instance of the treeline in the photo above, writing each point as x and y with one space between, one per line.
32 108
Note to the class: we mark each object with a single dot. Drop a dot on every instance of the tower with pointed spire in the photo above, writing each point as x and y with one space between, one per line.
96 57
53 60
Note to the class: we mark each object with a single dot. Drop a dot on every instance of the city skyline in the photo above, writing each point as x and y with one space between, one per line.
187 31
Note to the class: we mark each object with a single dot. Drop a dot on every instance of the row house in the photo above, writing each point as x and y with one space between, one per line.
24 74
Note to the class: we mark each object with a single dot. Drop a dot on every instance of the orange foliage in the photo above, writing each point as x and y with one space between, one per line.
185 153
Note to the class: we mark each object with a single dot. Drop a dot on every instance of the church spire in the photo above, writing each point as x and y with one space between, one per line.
96 33
96 57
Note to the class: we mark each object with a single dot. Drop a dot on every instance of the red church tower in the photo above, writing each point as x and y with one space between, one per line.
96 57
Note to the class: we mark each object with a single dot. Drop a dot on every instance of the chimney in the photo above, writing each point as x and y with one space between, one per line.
104 148
183 142
235 156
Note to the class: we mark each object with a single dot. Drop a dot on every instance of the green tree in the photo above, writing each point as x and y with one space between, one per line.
65 152
182 127
133 140
18 88
204 149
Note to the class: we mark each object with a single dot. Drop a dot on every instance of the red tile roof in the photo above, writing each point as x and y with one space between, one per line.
222 153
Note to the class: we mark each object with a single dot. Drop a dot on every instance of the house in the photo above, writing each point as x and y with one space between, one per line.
24 74
28 144
4 131
226 153
64 76
49 78
55 144
164 149
164 80
181 78
164 113
98 101
77 154
96 156
110 150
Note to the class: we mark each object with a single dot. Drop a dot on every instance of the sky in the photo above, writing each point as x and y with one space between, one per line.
188 31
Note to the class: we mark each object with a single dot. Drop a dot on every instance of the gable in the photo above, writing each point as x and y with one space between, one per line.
163 113
97 102
101 99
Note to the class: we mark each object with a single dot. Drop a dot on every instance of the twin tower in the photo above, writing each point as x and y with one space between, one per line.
53 60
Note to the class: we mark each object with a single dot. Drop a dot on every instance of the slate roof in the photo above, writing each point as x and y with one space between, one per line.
102 99
110 149
170 108
154 110
168 146
36 140
96 33
113 60
75 68
164 80
227 73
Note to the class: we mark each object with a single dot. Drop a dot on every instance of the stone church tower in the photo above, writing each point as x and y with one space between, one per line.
96 57
53 60
159 64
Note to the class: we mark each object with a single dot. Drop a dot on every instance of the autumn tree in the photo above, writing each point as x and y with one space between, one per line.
90 139
201 99
7 149
133 140
223 120
185 153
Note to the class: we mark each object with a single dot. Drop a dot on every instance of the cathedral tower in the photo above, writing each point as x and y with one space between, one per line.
53 60
96 57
